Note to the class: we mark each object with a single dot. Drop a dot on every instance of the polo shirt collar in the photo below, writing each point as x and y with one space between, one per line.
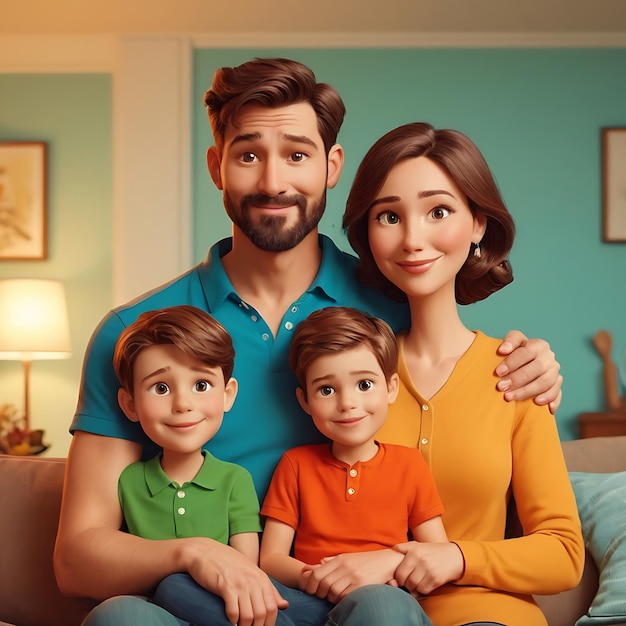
217 286
157 479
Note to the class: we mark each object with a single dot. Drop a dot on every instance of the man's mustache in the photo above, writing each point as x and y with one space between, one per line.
259 199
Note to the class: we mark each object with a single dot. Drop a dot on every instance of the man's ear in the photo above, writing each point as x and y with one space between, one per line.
393 387
127 404
230 393
214 163
335 165
302 400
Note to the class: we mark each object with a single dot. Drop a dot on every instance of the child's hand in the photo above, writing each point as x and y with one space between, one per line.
427 566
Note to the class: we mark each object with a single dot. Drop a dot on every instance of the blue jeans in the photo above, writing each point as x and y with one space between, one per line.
372 605
182 596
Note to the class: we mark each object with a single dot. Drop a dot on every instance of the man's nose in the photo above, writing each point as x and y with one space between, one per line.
272 178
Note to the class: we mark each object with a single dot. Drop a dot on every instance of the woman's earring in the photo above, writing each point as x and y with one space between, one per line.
477 253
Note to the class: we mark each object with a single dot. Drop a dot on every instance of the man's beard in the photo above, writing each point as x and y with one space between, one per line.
269 233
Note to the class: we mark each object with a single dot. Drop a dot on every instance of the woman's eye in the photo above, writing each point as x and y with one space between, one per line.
440 212
388 217
202 386
365 385
161 389
248 157
326 390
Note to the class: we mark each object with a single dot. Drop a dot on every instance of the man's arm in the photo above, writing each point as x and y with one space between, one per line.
93 558
530 370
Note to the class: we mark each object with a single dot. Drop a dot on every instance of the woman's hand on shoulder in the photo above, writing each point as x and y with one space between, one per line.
426 566
530 370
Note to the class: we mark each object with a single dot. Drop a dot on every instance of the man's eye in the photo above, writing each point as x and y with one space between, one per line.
202 386
298 157
248 157
161 389
365 385
388 217
326 390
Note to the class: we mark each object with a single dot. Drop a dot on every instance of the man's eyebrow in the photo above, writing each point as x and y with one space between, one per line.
245 137
288 136
422 194
300 139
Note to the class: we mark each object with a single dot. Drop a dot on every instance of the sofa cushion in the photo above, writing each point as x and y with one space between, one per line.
601 500
30 500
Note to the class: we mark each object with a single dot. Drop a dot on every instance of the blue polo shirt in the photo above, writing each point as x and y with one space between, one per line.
266 419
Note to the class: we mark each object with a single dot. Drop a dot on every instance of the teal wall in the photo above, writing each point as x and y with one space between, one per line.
536 115
72 113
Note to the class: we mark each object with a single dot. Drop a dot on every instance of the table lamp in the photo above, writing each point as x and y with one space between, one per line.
33 325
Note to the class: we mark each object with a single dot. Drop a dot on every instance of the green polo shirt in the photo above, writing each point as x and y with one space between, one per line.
218 503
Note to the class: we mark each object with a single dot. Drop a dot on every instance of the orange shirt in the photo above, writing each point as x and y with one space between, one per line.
482 450
336 508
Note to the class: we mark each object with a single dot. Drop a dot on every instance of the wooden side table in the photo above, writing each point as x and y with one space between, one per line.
606 424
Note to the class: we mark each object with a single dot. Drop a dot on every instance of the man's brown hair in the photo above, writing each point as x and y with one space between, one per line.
337 329
190 329
271 83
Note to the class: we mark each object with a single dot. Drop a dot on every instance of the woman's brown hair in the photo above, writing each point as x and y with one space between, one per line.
464 163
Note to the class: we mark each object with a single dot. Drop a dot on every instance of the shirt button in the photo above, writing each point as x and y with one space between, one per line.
254 318
294 309
181 511
265 336
351 491
180 494
425 407
424 441
288 325
353 473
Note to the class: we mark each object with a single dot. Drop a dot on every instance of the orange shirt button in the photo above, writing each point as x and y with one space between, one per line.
351 491
424 441
353 473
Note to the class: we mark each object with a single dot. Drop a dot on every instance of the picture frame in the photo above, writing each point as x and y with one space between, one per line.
614 184
23 200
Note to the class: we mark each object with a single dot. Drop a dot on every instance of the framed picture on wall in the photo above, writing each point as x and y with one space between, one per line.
614 185
23 200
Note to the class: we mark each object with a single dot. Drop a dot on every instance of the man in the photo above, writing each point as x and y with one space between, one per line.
275 155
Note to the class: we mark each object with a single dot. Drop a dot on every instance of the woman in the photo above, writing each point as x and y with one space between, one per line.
429 225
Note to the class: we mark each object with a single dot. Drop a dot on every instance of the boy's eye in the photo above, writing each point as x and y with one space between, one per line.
248 157
202 386
365 385
326 390
161 389
389 218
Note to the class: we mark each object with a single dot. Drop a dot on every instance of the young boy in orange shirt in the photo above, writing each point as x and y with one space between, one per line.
353 494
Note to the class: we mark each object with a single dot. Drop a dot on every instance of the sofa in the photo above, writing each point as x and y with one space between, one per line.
30 496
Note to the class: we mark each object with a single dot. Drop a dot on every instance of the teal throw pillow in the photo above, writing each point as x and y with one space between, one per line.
601 500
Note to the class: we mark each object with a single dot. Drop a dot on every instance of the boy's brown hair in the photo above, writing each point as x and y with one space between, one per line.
272 83
190 329
337 329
